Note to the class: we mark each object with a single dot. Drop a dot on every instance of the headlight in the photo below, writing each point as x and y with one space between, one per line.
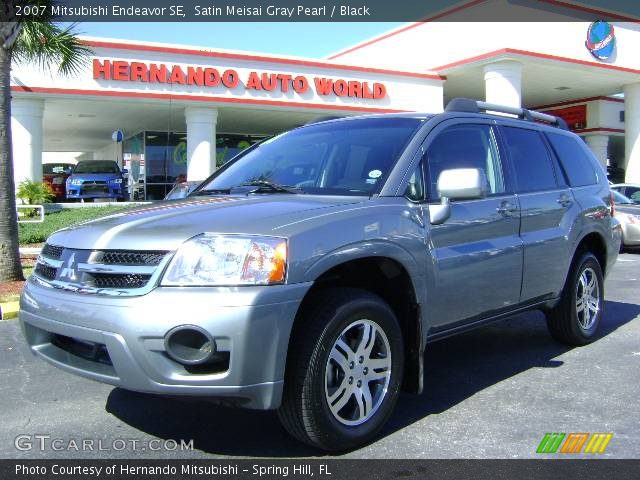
76 181
215 260
116 180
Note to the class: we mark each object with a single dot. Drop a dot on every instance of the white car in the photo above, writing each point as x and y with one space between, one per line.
628 213
630 190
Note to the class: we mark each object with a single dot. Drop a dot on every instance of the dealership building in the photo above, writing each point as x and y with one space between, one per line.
184 110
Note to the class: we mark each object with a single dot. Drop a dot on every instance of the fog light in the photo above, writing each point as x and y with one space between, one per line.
189 345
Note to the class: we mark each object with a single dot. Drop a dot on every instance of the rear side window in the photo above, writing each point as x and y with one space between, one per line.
575 161
530 158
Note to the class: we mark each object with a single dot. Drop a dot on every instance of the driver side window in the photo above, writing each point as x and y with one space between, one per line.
465 146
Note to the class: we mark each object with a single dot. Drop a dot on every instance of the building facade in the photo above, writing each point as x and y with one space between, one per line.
184 110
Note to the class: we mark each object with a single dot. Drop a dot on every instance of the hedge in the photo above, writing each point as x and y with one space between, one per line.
38 232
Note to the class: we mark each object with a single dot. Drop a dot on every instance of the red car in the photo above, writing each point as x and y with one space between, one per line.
55 175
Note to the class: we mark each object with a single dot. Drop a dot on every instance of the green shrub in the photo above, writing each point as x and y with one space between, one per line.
34 193
38 232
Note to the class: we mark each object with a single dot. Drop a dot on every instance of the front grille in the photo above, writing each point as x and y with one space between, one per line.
115 257
45 271
111 280
52 251
101 272
88 189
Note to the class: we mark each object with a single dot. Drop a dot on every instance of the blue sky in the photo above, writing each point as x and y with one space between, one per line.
314 40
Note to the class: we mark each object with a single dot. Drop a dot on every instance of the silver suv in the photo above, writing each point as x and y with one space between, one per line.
310 273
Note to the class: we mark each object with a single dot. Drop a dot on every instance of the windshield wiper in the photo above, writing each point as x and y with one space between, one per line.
268 186
213 191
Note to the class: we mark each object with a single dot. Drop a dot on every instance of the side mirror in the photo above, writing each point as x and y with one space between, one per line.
125 171
457 184
462 184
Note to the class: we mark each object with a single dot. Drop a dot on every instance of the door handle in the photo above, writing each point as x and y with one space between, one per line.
565 200
506 208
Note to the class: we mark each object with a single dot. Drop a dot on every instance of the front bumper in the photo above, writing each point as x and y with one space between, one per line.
252 324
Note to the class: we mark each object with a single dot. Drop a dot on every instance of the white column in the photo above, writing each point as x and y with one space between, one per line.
26 133
632 132
201 141
599 145
503 83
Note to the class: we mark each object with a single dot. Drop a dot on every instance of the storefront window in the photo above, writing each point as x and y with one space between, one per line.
228 146
133 157
166 161
159 159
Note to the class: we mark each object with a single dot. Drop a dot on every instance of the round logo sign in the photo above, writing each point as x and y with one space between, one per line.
601 41
180 154
117 136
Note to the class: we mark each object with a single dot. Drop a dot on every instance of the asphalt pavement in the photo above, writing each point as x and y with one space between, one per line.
490 393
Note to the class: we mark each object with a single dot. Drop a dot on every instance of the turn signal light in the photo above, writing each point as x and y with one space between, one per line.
612 203
278 264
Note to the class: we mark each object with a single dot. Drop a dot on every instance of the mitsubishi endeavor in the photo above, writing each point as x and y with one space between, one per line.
309 273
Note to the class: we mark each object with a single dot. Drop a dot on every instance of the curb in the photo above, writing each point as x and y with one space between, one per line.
30 250
9 310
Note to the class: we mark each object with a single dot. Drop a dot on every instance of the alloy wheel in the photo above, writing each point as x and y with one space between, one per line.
587 298
358 372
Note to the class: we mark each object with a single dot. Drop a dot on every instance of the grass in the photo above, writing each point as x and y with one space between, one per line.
30 233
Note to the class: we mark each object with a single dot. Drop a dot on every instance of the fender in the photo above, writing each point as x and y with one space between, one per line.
372 248
414 366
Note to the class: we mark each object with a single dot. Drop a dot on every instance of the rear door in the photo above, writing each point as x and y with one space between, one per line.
548 210
477 251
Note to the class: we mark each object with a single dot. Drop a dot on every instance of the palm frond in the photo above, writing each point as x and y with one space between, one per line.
48 45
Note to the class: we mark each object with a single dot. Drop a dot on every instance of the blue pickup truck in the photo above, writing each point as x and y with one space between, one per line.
92 179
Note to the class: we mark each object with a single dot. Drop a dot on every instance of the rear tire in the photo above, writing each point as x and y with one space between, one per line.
344 370
575 320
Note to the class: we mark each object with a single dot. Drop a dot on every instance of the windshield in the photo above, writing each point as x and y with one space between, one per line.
52 168
620 199
351 157
100 166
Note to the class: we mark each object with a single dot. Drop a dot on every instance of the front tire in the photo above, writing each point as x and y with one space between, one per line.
344 370
575 320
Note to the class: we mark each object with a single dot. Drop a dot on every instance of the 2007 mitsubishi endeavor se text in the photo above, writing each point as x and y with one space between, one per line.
309 273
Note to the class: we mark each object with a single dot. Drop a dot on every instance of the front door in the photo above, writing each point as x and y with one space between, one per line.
477 251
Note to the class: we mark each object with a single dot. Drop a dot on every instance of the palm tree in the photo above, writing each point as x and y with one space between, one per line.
46 44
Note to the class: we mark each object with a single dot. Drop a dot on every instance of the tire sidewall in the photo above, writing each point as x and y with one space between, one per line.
586 261
374 309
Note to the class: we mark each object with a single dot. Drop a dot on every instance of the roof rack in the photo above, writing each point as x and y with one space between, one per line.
475 106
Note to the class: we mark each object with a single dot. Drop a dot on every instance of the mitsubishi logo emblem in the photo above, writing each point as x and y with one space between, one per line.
68 271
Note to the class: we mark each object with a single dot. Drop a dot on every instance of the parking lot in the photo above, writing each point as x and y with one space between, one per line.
493 392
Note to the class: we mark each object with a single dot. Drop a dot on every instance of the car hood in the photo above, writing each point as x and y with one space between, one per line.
164 226
89 177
